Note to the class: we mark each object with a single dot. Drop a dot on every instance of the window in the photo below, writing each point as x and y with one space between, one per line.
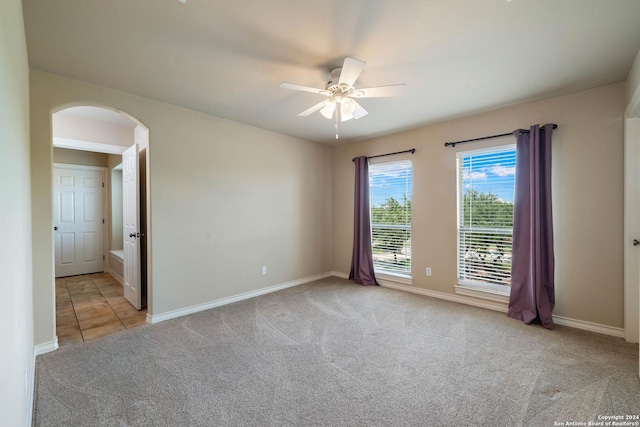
390 199
486 184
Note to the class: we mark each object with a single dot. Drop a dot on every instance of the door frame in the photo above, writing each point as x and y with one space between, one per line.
143 138
632 221
106 213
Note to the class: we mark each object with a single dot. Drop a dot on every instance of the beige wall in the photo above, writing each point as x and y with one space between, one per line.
587 196
82 129
79 157
16 316
226 199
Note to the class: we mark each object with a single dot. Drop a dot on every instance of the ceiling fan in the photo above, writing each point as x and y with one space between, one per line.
341 103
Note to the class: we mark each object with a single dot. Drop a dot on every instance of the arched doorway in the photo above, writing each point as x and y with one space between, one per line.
91 268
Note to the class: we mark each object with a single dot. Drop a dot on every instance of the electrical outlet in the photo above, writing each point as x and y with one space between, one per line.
264 270
428 271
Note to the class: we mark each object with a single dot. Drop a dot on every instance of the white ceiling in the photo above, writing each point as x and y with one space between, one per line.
227 57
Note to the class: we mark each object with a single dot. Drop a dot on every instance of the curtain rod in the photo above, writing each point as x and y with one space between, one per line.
453 144
413 150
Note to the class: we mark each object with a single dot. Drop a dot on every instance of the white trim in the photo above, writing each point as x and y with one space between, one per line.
486 291
340 275
381 278
116 276
46 347
589 326
77 144
491 305
502 307
490 288
387 277
155 318
118 254
79 167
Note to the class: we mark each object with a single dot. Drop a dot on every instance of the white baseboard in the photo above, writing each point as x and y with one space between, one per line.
340 275
589 326
498 306
116 276
155 318
37 351
46 347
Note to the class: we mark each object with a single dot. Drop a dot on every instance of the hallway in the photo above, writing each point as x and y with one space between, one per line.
92 306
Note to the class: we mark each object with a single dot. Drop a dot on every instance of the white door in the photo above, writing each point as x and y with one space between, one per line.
78 220
130 215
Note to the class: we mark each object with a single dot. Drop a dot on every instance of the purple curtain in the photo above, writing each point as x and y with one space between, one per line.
532 265
362 258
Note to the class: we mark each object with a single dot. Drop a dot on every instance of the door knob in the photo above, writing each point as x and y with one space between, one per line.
636 242
132 235
55 228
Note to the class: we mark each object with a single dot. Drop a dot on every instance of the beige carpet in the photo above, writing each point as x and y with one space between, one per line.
334 353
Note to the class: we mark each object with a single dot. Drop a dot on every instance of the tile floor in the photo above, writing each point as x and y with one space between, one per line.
92 306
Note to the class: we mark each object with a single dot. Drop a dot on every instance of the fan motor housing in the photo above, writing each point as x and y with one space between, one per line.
334 77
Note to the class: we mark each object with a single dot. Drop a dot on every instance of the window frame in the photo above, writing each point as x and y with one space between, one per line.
404 277
491 291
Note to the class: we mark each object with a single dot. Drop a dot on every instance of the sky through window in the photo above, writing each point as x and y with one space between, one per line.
389 181
488 173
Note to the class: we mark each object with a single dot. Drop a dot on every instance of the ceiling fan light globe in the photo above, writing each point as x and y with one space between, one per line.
328 110
347 108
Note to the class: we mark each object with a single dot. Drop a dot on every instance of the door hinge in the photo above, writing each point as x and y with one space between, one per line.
103 220
103 257
103 185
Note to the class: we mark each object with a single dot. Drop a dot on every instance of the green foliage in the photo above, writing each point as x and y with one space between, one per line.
486 210
392 212
391 240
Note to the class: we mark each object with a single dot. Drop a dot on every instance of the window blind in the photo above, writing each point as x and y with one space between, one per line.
486 183
390 201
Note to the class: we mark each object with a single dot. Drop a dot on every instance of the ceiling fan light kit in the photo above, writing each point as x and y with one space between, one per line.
341 104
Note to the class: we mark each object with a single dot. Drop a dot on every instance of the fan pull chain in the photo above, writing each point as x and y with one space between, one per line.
337 113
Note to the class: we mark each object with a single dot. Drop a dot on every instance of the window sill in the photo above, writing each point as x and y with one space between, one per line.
385 276
485 291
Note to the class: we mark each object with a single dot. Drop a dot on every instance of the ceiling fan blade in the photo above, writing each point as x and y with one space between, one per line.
351 69
303 88
359 111
380 91
314 108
